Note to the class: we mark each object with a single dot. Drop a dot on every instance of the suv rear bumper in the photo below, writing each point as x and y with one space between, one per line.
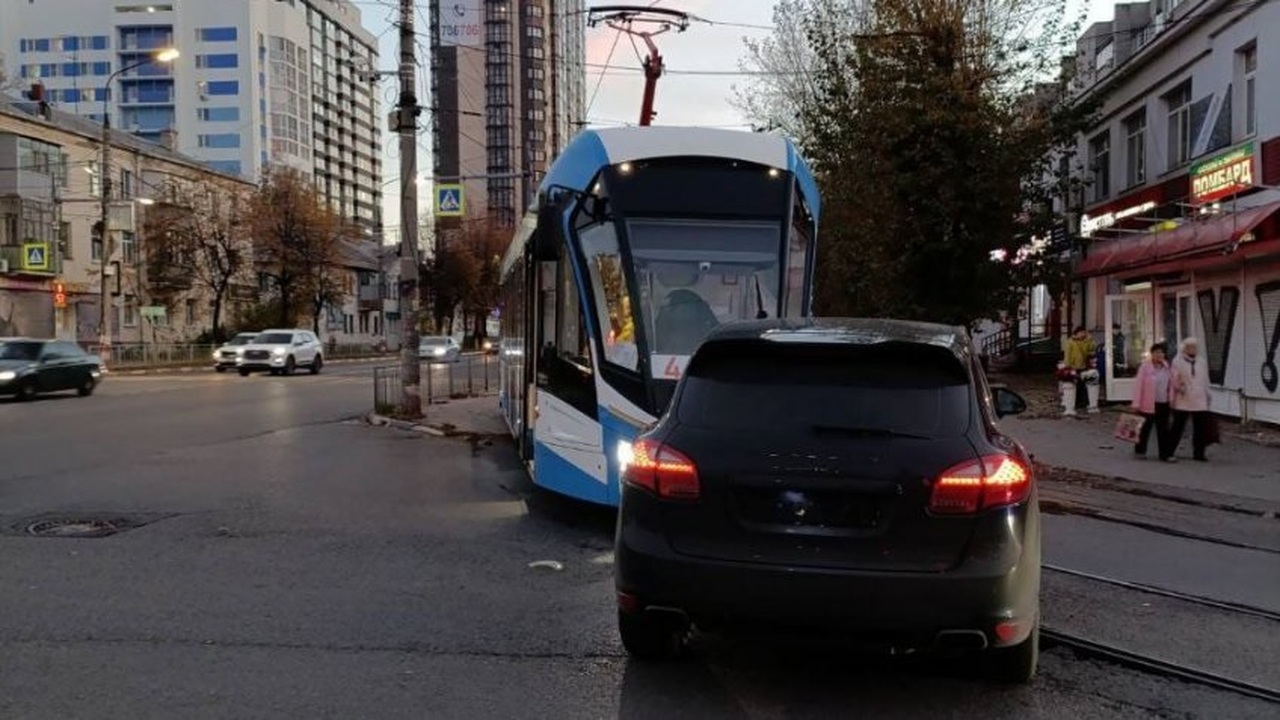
911 607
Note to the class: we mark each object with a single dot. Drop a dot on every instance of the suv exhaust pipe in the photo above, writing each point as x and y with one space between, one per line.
961 640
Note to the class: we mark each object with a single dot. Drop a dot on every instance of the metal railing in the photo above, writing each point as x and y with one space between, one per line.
147 355
471 376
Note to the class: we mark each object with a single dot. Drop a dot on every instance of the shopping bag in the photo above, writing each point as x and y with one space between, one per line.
1212 433
1129 426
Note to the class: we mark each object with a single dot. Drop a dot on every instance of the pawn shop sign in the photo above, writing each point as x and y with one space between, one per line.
1224 175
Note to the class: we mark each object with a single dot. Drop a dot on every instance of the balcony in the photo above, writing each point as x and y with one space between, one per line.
33 259
166 278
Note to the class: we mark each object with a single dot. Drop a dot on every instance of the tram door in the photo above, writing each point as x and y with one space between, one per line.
564 412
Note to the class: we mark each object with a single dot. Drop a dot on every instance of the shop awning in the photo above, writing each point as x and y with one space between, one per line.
1195 238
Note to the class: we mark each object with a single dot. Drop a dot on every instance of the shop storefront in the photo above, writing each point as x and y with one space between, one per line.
1204 265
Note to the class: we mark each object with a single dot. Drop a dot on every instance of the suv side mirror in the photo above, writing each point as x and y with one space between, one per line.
1008 402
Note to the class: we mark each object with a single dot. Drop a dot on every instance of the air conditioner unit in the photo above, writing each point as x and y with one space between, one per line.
4 265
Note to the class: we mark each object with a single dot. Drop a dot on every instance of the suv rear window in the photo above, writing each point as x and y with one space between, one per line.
768 387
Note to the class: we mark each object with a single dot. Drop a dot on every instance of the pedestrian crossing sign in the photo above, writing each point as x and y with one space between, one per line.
449 202
35 256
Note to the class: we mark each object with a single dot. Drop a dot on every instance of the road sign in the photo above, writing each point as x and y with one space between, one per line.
35 256
449 200
59 295
153 312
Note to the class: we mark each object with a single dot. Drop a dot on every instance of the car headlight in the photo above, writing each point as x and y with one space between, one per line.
278 351
7 375
215 354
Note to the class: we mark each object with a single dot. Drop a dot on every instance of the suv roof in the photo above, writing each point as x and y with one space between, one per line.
862 331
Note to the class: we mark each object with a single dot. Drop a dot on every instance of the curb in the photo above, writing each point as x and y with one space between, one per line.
377 420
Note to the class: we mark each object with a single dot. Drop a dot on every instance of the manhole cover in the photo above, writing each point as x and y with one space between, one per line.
82 528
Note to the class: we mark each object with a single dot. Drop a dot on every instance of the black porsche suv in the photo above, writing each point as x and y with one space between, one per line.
843 475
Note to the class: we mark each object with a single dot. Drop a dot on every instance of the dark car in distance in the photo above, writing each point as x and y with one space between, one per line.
843 476
31 367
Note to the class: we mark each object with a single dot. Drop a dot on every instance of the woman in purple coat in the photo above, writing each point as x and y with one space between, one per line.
1152 390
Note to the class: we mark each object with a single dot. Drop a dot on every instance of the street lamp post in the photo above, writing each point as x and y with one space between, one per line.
104 190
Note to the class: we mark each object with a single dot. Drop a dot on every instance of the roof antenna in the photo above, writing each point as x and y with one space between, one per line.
624 18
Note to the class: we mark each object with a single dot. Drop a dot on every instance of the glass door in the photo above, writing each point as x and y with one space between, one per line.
1177 320
1130 326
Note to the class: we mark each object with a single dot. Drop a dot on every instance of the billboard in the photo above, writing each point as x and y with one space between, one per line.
461 24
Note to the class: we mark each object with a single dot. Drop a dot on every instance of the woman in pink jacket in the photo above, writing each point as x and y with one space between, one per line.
1152 389
1190 399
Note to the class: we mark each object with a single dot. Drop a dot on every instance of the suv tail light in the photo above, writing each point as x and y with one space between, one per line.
662 471
988 482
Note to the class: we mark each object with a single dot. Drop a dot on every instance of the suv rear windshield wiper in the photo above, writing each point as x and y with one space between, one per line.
855 431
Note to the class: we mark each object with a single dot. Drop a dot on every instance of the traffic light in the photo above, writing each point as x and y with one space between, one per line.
59 294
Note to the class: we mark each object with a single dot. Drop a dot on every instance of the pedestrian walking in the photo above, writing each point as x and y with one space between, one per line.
1152 391
1190 399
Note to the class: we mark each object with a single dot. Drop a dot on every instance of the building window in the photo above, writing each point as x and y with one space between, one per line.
221 87
191 312
220 140
1100 164
95 243
231 167
1180 136
219 114
1249 63
217 61
95 179
216 34
129 247
130 311
1135 151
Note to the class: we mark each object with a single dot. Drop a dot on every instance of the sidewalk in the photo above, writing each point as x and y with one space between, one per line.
1085 443
475 416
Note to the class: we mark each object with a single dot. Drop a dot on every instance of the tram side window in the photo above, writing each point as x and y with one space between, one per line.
565 365
609 290
797 253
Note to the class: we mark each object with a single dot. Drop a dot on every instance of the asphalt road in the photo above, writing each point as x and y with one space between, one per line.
292 562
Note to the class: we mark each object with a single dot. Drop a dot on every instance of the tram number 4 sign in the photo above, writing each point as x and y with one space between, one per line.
669 367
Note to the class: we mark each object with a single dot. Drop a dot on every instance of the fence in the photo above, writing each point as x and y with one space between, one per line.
471 376
141 355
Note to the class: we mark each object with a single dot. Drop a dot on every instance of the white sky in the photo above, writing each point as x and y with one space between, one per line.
710 51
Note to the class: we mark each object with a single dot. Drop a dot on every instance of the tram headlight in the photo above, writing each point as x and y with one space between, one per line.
625 454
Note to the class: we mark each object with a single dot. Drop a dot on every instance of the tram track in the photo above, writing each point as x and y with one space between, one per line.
1085 647
1234 607
1095 650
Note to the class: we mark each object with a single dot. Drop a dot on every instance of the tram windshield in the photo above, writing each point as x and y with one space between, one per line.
695 274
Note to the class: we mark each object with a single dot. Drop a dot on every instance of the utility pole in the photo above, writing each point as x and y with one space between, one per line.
407 126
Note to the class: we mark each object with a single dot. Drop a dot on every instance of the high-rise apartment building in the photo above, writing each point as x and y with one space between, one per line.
508 90
257 82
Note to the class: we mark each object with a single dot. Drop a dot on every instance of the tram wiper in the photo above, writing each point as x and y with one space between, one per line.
760 313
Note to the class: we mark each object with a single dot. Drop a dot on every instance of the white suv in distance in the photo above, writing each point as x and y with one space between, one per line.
281 352
227 355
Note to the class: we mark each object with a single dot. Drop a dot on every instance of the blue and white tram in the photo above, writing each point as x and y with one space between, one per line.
644 239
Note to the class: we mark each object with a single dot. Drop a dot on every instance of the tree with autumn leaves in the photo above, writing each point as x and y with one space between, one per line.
297 245
934 127
196 240
464 274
